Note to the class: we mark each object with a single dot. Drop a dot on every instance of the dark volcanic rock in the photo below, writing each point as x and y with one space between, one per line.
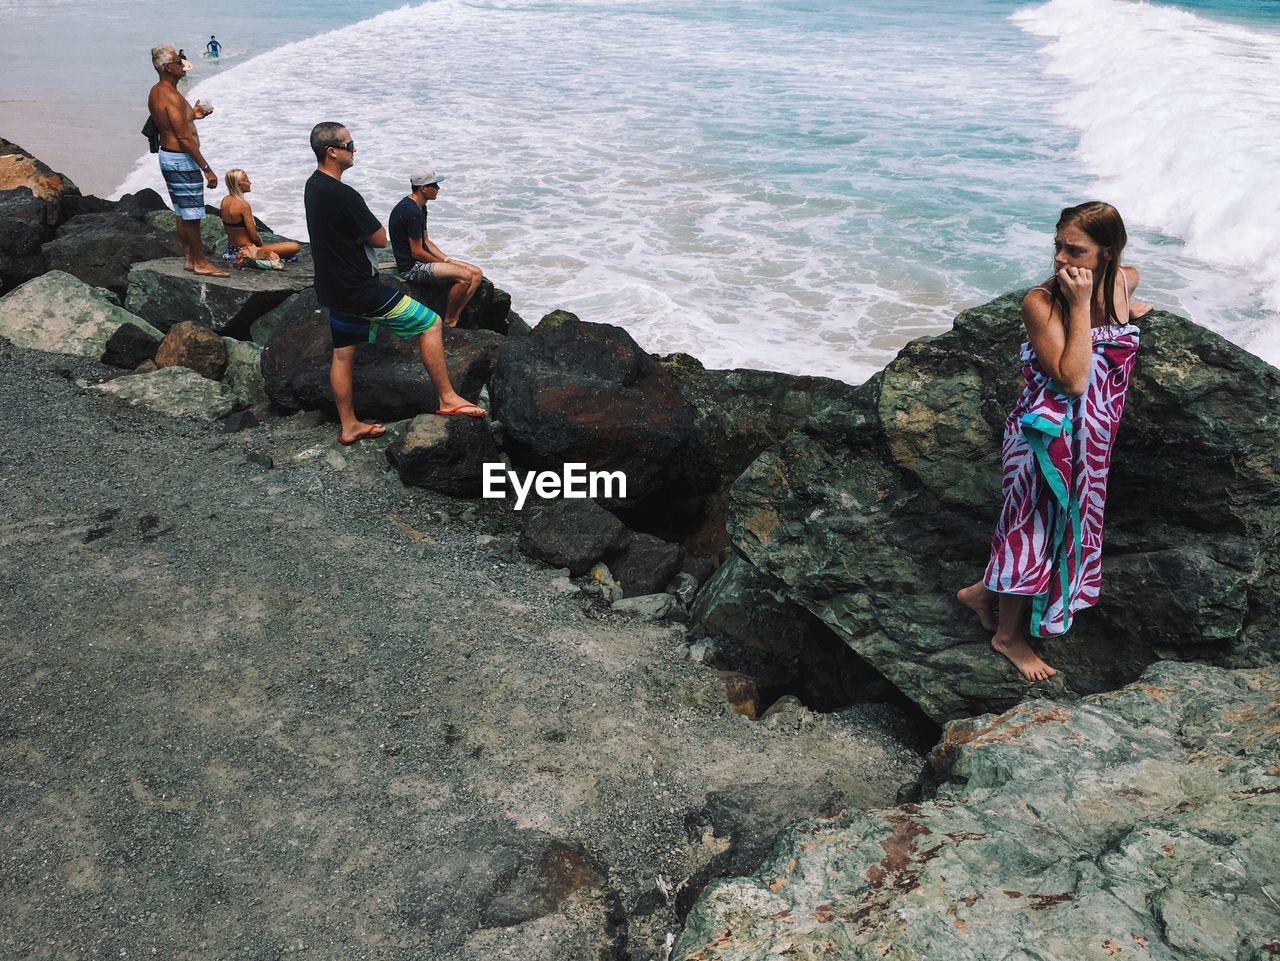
646 565
1142 823
389 380
101 248
164 293
881 508
130 346
195 347
445 454
784 647
586 393
572 533
23 228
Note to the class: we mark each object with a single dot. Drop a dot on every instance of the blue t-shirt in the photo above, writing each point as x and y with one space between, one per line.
407 220
214 47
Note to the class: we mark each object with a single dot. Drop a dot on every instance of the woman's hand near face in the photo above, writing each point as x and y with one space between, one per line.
1076 284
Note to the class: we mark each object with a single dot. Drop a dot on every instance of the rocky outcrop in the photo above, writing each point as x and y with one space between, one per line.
571 533
646 565
194 347
1142 823
574 392
101 248
389 380
243 375
23 229
881 507
445 454
175 391
164 293
130 346
20 169
754 629
58 313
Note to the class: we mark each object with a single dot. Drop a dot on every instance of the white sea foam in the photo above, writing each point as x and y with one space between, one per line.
1179 121
791 191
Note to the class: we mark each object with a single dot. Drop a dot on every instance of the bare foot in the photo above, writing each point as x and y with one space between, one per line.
360 431
208 270
1024 658
450 323
981 601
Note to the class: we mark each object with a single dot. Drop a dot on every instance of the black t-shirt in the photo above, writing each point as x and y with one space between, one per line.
407 220
338 220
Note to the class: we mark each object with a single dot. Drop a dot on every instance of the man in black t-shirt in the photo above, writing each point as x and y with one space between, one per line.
418 259
343 234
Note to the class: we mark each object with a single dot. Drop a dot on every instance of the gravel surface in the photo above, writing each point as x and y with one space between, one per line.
261 701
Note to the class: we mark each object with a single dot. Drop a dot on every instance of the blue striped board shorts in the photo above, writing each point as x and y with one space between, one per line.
405 318
185 182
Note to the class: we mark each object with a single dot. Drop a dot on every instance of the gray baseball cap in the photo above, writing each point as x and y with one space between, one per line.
422 176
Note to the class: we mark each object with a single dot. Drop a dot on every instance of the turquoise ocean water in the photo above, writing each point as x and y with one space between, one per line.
800 185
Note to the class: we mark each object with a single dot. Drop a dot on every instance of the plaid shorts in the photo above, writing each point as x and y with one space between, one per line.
405 318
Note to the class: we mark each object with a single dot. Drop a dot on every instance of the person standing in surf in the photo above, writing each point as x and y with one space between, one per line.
1046 553
185 171
213 48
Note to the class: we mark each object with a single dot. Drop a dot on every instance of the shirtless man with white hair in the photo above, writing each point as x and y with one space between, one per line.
186 173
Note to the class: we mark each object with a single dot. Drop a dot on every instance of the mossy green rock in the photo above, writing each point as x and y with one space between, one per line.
165 294
175 391
883 505
58 313
1142 824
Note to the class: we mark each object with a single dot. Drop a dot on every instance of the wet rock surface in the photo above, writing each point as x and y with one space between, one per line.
882 507
1143 822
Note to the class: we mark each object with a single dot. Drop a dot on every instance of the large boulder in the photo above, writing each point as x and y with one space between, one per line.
56 312
389 380
175 391
23 229
100 248
194 347
20 169
243 375
880 508
572 533
1142 823
130 346
164 293
646 565
445 454
756 630
574 392
739 414
300 306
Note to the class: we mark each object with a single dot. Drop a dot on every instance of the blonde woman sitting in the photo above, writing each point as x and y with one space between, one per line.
243 242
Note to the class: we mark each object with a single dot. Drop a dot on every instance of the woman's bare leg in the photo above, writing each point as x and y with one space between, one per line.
1013 638
285 248
981 601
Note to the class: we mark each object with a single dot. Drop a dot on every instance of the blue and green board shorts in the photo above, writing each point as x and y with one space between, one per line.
405 318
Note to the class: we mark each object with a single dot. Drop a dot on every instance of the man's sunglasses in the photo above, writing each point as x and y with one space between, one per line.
349 146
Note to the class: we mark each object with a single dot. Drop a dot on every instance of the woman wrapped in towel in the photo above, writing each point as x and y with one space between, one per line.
1046 553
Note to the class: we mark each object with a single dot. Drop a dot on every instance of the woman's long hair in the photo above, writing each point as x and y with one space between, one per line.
233 182
1102 223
